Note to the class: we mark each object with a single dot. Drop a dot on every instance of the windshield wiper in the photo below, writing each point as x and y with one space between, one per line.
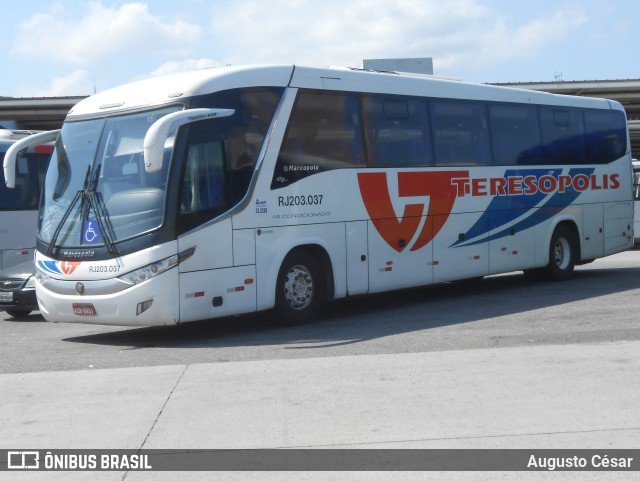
91 200
79 195
96 203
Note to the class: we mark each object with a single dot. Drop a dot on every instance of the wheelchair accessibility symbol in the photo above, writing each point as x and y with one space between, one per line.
91 232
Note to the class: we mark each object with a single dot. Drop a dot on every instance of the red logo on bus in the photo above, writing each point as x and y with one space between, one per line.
68 267
397 232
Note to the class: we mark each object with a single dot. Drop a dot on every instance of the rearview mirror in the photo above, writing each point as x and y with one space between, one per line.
21 145
154 140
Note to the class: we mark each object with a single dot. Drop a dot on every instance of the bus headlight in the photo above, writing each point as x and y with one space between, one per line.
147 272
40 277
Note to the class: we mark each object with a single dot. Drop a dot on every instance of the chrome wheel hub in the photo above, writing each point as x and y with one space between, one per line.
298 287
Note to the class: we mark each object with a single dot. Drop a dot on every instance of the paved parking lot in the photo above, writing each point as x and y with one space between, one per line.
505 363
601 304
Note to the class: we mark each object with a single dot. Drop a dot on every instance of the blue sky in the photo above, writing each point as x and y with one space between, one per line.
75 47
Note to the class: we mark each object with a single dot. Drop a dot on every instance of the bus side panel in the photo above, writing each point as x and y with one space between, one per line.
217 292
395 262
453 258
273 244
357 258
214 247
513 250
618 227
593 231
244 247
209 284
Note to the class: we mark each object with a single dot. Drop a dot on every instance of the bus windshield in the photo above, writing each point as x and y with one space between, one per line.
96 190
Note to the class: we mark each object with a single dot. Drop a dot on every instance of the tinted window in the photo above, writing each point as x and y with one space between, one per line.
220 154
397 131
324 133
515 134
204 186
30 170
606 135
460 133
562 136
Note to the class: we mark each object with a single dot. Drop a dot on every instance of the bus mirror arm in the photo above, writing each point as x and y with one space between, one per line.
21 145
154 140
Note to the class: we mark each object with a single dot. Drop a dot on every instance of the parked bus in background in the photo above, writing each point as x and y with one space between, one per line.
240 189
636 198
18 222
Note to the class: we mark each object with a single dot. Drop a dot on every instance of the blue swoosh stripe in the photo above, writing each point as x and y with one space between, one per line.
49 266
556 203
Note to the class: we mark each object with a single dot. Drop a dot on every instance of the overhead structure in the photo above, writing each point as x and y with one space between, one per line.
35 113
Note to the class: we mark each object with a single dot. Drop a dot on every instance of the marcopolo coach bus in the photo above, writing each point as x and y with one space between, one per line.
232 190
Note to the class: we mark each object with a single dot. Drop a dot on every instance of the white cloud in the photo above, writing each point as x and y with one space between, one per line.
77 82
118 42
184 65
456 33
102 32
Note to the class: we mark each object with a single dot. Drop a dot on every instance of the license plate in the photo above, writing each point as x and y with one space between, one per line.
6 296
84 310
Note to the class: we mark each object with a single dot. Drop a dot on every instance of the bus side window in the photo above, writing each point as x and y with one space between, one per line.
515 134
397 131
562 136
324 133
254 111
24 194
460 133
606 138
42 163
203 187
329 130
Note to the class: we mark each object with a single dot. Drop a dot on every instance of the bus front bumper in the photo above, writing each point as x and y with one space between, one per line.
154 302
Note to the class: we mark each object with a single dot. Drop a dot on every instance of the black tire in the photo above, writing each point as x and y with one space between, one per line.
300 288
17 313
563 252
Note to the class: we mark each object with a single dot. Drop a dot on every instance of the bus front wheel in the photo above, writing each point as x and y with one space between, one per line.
299 288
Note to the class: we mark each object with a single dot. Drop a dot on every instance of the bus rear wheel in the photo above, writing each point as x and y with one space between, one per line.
562 254
299 288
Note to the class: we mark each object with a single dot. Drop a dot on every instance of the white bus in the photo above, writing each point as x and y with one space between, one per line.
19 206
18 221
233 190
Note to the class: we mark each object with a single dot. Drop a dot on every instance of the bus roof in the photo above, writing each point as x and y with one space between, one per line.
165 89
162 90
